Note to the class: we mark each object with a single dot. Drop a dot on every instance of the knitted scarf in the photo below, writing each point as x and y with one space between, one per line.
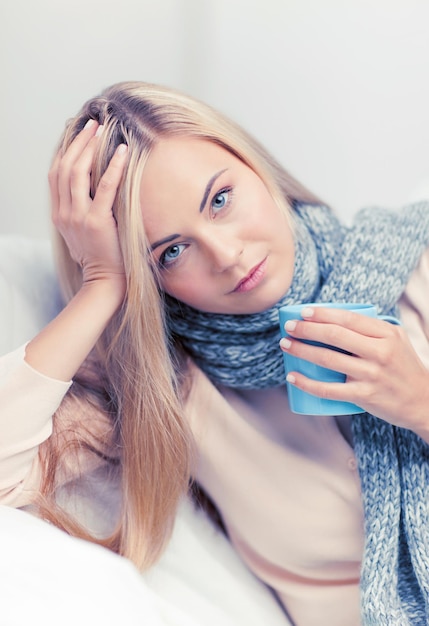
370 261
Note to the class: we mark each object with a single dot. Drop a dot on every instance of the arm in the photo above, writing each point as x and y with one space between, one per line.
385 376
27 401
89 230
31 391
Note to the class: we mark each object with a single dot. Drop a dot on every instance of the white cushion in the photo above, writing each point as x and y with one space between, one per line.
49 578
29 296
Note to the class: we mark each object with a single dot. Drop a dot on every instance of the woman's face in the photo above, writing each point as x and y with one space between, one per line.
221 243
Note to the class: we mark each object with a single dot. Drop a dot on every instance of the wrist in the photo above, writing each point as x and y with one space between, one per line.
107 293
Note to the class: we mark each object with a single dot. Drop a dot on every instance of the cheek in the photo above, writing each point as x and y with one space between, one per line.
264 213
274 226
188 290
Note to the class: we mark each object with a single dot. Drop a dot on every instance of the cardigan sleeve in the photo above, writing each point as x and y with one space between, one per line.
28 401
414 308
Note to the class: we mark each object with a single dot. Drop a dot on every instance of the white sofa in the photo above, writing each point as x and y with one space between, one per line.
48 577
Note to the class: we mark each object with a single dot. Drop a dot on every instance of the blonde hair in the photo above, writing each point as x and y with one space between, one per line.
133 375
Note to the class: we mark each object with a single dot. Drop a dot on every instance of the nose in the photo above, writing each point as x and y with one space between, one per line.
224 251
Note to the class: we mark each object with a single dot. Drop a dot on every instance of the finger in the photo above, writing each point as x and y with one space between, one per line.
362 324
343 362
357 357
69 159
80 175
108 186
326 334
79 142
329 391
346 339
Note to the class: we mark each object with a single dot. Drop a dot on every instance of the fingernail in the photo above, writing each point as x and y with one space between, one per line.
99 130
307 311
89 123
291 378
290 325
122 148
285 343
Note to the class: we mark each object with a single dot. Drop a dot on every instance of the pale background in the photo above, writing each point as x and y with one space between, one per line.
337 89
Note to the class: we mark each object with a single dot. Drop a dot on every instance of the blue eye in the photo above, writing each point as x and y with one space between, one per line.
220 200
171 254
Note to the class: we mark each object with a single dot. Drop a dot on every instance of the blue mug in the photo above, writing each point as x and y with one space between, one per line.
305 403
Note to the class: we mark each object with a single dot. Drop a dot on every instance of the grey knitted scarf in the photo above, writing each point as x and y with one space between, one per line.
369 261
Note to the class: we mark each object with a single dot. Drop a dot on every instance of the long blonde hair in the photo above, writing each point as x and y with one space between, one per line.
133 374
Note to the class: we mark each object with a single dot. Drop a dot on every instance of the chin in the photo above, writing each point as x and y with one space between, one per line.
270 299
258 306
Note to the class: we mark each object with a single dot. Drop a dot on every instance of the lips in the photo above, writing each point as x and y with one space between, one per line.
252 279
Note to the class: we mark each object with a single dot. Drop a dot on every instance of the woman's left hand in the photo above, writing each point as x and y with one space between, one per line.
384 374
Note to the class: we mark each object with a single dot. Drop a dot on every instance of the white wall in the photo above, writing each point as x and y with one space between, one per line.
54 55
338 89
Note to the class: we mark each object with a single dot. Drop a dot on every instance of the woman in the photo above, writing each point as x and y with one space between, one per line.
161 204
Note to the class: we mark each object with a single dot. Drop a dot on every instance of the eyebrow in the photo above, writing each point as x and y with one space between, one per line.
162 241
207 190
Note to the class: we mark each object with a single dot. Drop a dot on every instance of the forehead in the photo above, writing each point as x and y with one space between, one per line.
180 159
176 174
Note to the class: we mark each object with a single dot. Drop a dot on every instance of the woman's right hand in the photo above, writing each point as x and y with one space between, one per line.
88 225
89 229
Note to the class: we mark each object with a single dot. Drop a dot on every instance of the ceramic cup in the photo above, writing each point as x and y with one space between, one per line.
301 401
